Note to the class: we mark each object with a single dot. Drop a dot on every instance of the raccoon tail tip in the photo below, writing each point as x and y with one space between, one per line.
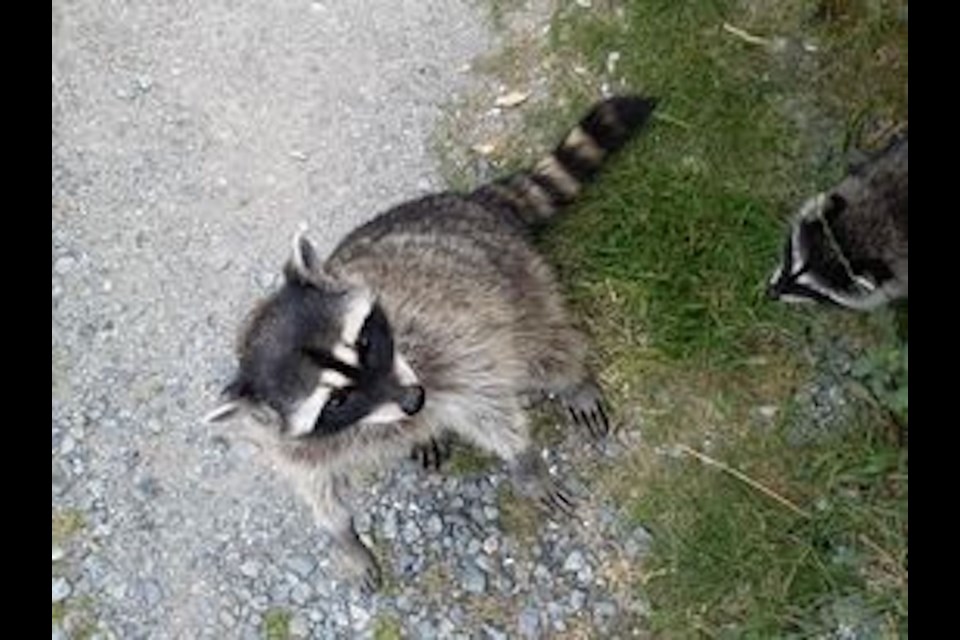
613 121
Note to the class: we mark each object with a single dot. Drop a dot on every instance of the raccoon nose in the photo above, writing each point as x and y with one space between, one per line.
411 399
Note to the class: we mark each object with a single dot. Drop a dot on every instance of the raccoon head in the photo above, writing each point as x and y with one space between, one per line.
814 268
317 358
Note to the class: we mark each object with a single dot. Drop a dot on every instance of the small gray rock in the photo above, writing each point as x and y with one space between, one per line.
411 532
474 580
425 630
434 526
529 623
67 445
60 589
299 627
390 526
491 513
473 547
59 633
151 593
574 562
490 545
577 600
64 265
250 568
360 616
301 564
300 593
57 554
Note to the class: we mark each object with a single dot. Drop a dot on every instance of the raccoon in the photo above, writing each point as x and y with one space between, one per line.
848 246
438 316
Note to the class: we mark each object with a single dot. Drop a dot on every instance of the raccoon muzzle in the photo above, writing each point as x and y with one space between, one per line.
538 194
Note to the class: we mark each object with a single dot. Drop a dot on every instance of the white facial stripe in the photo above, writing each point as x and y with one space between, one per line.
776 274
346 354
334 379
302 421
813 207
358 308
796 251
385 414
403 371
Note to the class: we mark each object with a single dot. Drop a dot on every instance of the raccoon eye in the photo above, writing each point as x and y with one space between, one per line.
337 398
363 342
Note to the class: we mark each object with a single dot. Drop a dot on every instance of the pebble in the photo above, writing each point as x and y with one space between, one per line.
474 580
434 526
574 562
60 589
299 627
577 600
490 545
302 565
67 445
529 623
360 617
64 264
57 554
250 569
411 532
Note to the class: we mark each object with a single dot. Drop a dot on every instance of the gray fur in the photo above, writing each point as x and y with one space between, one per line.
477 322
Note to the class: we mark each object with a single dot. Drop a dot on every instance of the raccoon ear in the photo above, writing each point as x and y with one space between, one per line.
304 263
834 206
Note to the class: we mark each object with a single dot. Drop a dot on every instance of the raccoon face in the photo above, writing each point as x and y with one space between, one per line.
318 358
813 267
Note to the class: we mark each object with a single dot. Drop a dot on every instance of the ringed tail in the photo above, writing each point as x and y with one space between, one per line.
536 195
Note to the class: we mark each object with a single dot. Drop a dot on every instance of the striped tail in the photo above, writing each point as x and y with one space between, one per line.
538 194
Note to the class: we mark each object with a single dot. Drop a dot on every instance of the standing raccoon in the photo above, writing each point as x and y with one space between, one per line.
436 316
848 245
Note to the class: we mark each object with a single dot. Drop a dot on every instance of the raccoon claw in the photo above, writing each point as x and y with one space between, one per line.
370 580
585 407
556 498
431 454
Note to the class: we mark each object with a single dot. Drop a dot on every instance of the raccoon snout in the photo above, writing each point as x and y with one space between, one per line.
411 399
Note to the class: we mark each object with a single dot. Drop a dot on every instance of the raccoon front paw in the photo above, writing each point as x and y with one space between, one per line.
556 498
363 570
432 454
584 405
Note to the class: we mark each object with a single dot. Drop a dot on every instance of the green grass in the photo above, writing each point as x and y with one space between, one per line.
387 628
731 562
65 524
666 259
276 624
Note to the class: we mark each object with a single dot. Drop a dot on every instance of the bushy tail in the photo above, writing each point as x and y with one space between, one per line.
536 195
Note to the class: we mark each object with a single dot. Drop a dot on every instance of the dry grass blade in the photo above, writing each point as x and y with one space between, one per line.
744 478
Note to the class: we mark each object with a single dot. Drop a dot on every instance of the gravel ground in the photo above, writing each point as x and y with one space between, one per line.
189 141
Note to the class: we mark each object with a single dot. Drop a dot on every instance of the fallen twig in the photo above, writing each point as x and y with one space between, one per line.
744 478
747 37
